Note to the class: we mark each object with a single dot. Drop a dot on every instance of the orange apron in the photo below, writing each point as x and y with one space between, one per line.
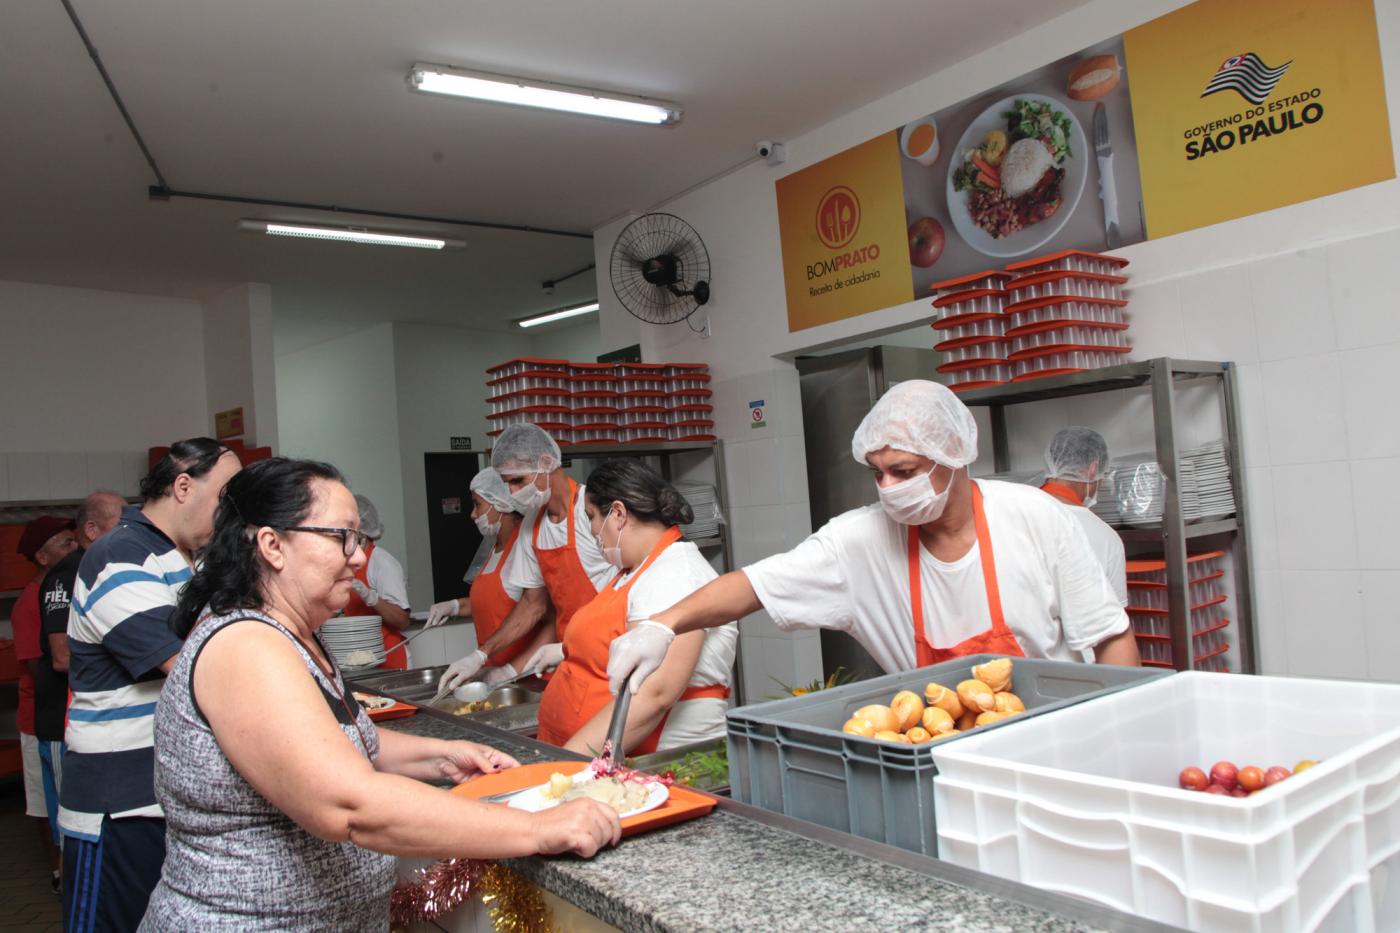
996 640
1062 492
569 586
356 607
580 685
491 604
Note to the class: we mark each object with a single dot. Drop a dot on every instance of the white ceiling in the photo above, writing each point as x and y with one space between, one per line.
306 101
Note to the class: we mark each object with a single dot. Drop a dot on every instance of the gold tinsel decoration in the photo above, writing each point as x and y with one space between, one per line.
516 905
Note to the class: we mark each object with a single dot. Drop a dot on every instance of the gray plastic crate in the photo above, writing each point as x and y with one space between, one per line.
791 757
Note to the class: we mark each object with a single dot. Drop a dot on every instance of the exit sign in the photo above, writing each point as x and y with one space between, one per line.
461 443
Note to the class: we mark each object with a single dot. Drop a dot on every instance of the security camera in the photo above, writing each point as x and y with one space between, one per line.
773 152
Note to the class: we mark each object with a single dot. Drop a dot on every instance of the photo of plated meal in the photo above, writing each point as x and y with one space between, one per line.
1017 174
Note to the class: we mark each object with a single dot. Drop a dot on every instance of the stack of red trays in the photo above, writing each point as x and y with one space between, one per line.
1064 314
1148 608
602 403
971 330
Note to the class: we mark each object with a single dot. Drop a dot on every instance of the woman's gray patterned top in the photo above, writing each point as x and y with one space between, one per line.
232 859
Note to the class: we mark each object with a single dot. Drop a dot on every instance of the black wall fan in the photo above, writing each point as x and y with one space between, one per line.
660 269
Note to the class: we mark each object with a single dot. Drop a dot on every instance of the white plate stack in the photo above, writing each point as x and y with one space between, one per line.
344 636
704 503
1215 495
1133 494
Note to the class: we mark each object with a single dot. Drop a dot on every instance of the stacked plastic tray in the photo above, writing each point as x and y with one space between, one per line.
971 330
1149 609
1064 313
602 403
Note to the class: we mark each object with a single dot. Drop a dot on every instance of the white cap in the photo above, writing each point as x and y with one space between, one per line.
1077 454
369 518
488 485
525 448
919 417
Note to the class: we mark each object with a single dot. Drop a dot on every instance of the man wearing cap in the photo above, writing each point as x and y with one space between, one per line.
1075 462
943 567
97 515
559 563
44 542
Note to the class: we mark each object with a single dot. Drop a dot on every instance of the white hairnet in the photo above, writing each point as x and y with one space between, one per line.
1077 454
488 485
525 448
920 417
369 517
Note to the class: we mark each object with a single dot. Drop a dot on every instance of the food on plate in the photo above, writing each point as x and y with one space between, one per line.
371 702
976 696
621 794
858 726
995 674
882 717
1013 177
937 720
889 735
359 658
943 698
908 707
1093 77
918 735
926 241
1193 778
1009 703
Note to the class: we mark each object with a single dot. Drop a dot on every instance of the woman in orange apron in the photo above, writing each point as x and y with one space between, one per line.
366 598
635 515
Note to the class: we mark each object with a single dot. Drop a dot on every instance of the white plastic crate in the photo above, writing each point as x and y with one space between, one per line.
1084 801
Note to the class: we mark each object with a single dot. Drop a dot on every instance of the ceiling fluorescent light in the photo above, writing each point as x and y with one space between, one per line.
523 92
347 235
552 316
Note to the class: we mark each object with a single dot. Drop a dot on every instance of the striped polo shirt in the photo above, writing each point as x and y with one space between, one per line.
119 633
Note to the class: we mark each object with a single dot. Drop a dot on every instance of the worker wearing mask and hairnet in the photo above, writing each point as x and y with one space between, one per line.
380 588
1075 462
943 567
561 567
493 596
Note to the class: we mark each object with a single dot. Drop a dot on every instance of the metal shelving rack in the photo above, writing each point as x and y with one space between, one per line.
663 452
1162 375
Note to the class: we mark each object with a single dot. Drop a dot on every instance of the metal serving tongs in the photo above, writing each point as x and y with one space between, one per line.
476 689
613 753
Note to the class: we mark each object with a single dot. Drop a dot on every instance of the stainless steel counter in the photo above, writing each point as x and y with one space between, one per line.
742 868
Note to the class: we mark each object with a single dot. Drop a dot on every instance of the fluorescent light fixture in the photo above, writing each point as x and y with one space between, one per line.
347 235
550 317
524 92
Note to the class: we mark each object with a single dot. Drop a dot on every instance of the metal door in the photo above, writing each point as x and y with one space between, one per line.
452 535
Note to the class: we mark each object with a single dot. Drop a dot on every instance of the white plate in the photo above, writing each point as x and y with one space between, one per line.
533 800
1076 167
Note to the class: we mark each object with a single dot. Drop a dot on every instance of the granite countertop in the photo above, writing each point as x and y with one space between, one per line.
741 868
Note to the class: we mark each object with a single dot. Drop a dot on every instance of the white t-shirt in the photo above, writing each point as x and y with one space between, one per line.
1107 547
512 589
677 572
524 570
853 576
386 577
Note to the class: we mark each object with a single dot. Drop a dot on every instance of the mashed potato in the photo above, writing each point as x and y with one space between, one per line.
1026 162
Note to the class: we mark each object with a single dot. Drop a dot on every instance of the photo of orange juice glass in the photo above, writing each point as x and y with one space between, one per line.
919 141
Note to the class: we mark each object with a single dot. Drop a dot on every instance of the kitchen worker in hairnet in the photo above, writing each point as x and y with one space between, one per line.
380 588
1075 462
493 596
562 565
942 567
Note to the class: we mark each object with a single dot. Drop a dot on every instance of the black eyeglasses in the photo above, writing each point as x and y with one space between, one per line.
350 538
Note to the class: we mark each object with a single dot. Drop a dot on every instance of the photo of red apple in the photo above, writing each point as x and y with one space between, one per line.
1193 779
926 241
1225 774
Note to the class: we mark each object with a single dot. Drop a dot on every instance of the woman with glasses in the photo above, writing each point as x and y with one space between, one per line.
294 826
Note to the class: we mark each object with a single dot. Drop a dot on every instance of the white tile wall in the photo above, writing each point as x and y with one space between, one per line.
29 477
1326 628
68 476
1154 312
1313 508
759 625
104 471
1381 599
1269 622
1263 520
758 532
753 473
1377 495
1363 289
1302 399
1218 316
1292 305
1370 389
1254 414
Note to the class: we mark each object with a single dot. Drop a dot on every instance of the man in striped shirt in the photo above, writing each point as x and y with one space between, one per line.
121 646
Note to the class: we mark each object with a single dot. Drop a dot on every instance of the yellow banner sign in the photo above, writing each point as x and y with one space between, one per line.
843 235
1243 106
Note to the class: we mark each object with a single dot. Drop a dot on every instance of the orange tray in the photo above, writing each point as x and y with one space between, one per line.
683 804
397 711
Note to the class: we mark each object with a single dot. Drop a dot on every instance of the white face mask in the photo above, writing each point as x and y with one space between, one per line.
530 497
486 526
913 501
612 555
